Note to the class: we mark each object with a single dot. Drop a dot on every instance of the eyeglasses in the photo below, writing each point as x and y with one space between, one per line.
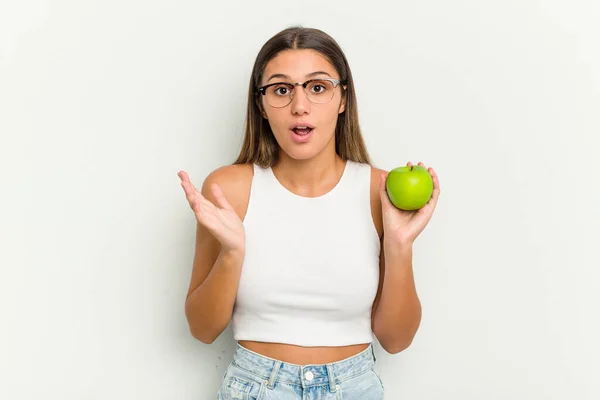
318 91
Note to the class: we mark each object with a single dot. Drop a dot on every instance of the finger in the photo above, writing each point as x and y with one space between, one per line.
187 183
194 201
436 187
436 183
183 175
409 164
421 164
189 188
189 192
195 198
220 197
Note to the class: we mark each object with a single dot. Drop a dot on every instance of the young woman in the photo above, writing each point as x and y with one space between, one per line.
297 243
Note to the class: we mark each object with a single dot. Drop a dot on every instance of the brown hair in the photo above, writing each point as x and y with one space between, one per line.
259 145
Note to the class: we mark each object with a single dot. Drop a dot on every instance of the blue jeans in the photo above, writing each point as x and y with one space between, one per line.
251 376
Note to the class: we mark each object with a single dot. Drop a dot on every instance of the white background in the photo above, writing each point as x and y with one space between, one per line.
102 102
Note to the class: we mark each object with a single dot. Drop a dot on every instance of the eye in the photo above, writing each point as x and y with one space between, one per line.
320 87
280 90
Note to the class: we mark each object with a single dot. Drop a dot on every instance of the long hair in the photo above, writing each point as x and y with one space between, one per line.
259 145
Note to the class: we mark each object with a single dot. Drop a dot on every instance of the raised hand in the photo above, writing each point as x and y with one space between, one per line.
401 226
221 220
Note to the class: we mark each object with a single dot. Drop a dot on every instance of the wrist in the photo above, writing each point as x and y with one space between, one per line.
399 248
233 253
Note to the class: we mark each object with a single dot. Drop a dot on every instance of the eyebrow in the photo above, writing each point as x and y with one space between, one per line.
311 75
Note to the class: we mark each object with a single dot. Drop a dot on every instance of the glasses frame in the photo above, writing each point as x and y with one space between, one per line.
263 89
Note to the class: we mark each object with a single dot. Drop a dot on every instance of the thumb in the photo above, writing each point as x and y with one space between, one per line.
220 197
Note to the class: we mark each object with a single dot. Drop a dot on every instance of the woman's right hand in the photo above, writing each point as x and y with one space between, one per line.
221 220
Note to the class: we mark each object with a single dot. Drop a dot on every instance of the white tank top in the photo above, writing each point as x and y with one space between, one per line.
311 267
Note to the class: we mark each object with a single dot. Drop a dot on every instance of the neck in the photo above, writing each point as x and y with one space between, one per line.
311 177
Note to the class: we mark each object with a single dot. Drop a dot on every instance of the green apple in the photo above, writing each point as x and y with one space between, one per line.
409 188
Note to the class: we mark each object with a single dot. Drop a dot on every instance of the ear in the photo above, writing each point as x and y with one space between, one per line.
343 102
260 108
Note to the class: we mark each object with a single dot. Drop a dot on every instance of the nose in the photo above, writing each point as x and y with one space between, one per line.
300 102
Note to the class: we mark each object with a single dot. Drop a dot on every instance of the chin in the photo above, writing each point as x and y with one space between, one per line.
301 152
300 156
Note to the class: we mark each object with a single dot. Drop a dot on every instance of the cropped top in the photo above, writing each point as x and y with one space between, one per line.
311 267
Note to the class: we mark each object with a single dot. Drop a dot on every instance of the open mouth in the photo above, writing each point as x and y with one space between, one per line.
301 131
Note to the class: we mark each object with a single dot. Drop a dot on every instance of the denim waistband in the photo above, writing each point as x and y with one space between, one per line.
271 370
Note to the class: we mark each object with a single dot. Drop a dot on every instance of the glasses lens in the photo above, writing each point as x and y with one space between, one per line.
319 91
279 95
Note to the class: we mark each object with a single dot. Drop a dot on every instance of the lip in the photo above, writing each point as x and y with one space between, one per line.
301 138
297 124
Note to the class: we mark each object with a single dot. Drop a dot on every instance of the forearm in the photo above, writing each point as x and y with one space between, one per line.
398 314
210 306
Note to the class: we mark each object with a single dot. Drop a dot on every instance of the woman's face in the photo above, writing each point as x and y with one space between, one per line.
293 66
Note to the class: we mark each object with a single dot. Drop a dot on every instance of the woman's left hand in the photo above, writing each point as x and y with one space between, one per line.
400 226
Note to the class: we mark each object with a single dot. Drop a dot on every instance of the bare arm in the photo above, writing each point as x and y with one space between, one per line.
396 313
216 267
397 309
209 304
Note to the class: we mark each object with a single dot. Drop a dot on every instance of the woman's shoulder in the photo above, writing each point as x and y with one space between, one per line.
231 174
235 181
376 178
376 172
376 198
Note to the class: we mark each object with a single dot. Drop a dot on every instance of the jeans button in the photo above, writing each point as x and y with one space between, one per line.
309 376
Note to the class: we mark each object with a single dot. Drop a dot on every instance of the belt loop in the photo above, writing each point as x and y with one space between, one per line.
373 352
274 372
332 385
